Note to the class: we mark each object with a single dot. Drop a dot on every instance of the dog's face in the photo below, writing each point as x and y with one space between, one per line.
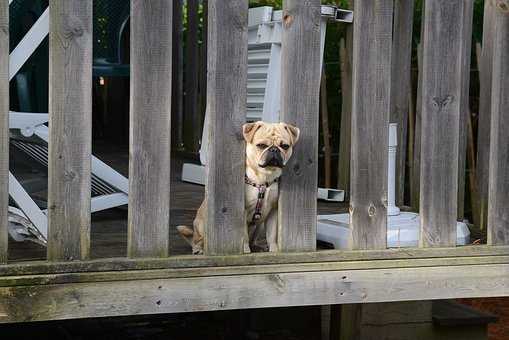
269 145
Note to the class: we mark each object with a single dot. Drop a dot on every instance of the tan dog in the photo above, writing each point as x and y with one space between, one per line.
268 148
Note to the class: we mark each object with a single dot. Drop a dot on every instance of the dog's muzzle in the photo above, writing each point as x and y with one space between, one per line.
273 158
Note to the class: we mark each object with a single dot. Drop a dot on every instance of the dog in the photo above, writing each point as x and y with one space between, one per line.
269 146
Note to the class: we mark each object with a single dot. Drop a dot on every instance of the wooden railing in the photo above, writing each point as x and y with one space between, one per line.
150 280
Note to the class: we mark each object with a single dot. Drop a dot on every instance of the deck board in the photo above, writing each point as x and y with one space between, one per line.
109 228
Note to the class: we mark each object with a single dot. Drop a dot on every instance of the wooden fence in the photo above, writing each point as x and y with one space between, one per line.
150 280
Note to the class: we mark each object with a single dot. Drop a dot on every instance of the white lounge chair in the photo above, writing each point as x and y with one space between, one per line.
27 219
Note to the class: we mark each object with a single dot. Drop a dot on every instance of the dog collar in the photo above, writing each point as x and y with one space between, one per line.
262 188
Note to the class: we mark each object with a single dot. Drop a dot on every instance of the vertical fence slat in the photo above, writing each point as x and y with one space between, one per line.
4 126
370 123
401 84
498 223
466 52
70 129
150 123
441 97
227 75
300 106
483 130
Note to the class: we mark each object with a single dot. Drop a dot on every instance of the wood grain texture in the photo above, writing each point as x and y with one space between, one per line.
466 52
441 98
167 295
227 75
300 85
4 127
372 36
188 261
70 129
150 124
483 129
498 209
401 85
151 274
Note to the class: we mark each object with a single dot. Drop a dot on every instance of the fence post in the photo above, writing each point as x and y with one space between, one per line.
150 124
498 226
400 85
483 130
300 50
227 75
370 123
441 103
4 127
70 129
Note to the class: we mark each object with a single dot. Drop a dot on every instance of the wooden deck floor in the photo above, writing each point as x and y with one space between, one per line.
109 228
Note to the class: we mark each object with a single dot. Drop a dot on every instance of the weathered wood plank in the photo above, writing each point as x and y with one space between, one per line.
498 223
401 85
227 74
4 127
300 50
151 274
441 97
371 107
70 129
466 52
67 301
188 261
150 125
372 36
483 129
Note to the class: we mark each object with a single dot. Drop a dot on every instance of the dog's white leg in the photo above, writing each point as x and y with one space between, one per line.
271 230
247 249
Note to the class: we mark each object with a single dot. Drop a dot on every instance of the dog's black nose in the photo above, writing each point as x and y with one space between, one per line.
273 149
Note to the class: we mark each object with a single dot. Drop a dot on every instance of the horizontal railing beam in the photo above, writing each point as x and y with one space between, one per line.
190 261
273 288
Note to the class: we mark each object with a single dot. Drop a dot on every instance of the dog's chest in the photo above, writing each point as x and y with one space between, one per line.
265 205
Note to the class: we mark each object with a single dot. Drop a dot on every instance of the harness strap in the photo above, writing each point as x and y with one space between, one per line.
262 188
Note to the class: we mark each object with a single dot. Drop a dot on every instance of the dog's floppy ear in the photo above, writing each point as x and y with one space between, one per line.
293 131
249 130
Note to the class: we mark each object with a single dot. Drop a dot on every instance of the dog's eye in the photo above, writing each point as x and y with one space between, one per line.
262 146
285 146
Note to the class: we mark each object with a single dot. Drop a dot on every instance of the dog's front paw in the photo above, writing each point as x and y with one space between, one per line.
197 250
273 247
